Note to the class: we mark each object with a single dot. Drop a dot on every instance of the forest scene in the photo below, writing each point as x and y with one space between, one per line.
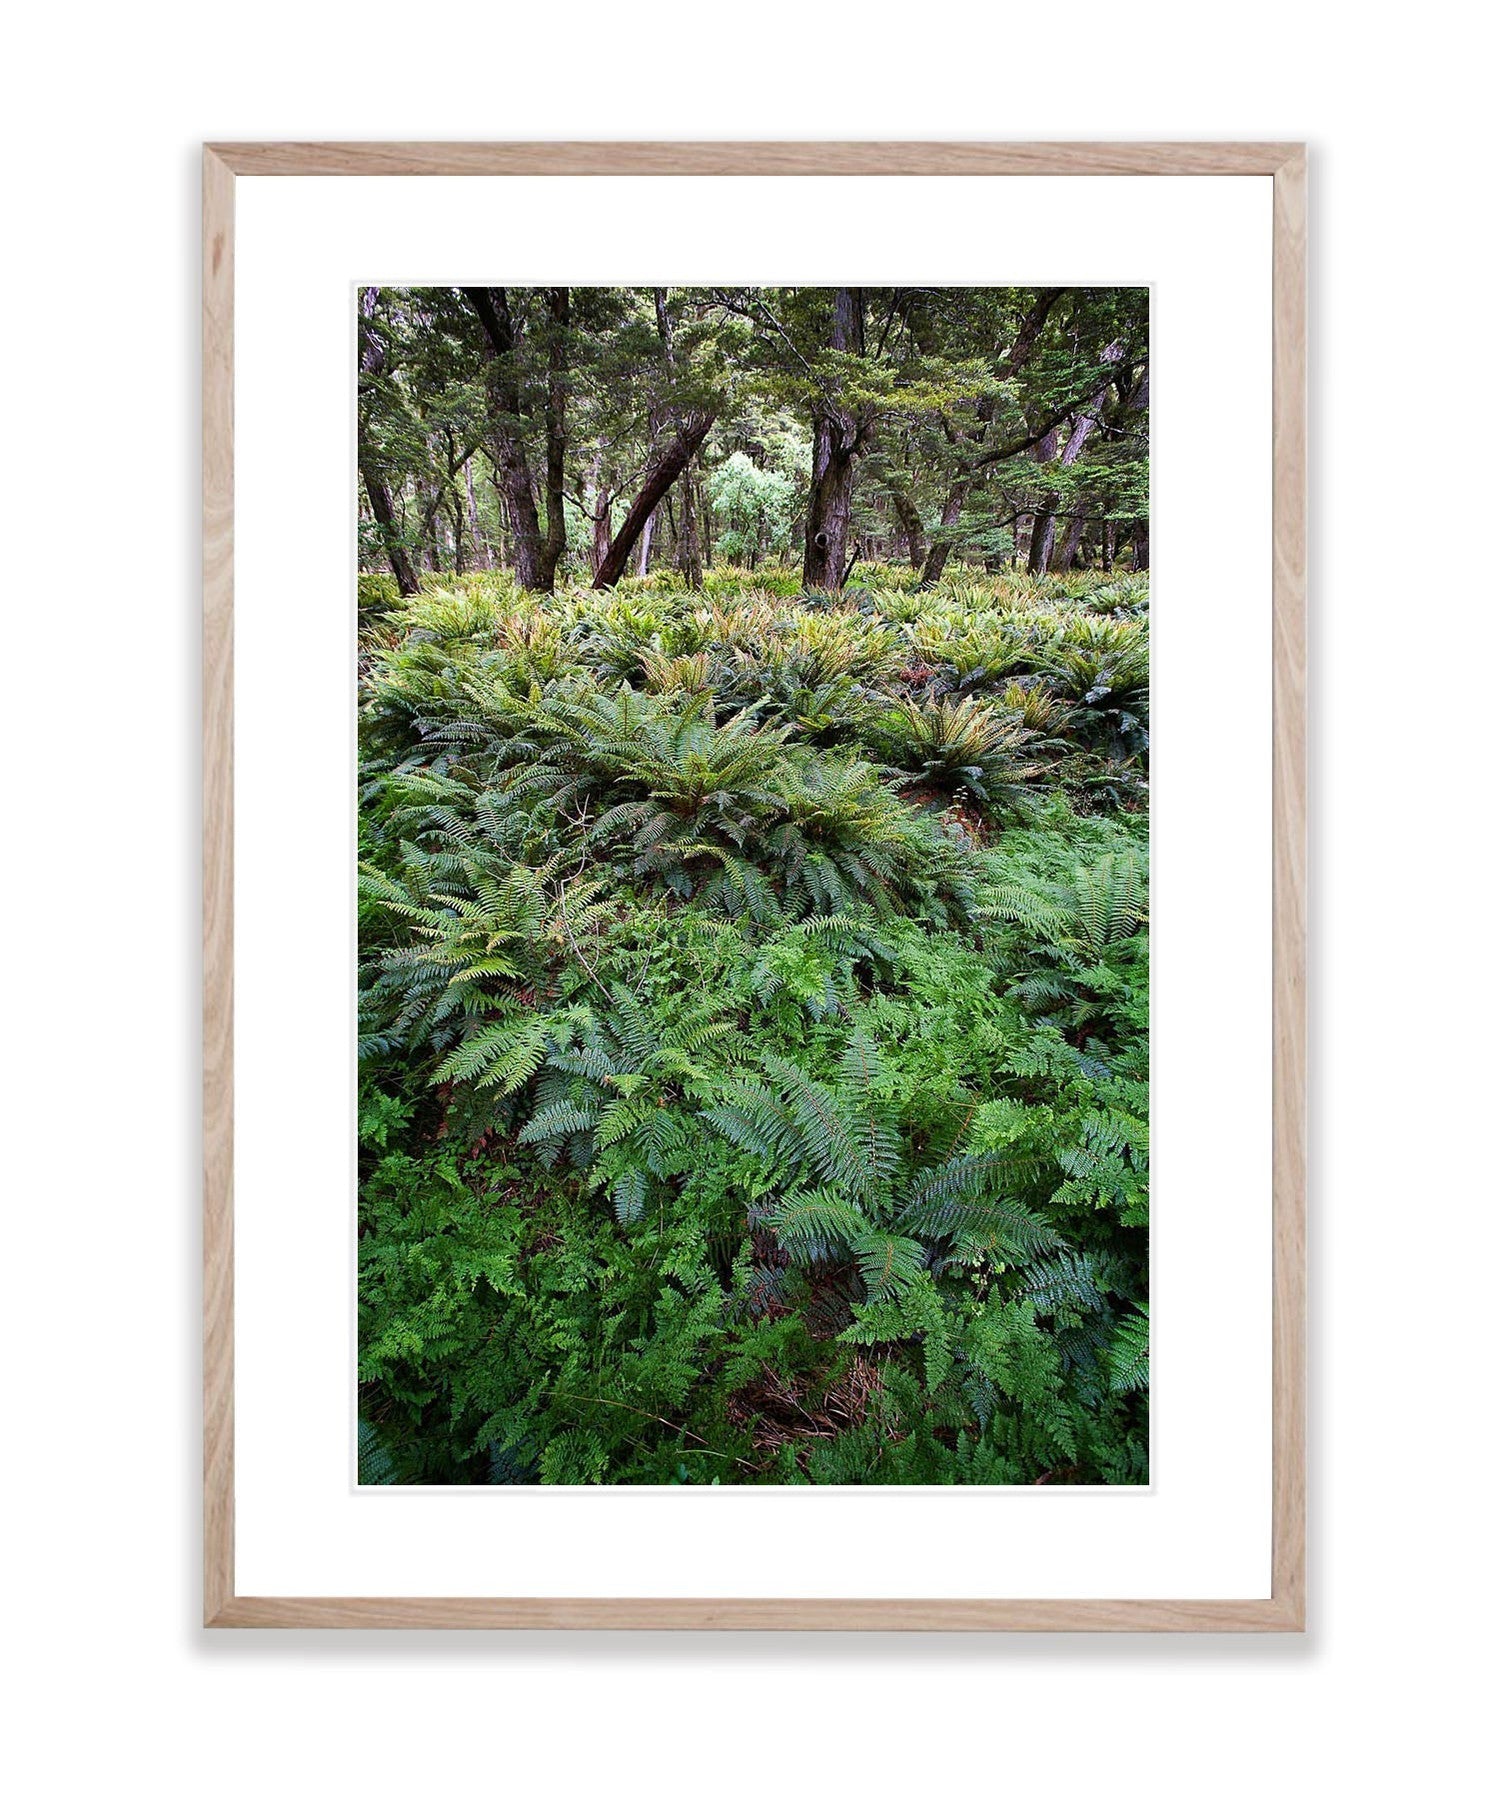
753 695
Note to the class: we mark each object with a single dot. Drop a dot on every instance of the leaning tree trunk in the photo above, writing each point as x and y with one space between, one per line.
383 509
941 549
688 557
660 475
1071 544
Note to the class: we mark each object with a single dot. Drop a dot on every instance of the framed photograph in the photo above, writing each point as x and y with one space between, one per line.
754 797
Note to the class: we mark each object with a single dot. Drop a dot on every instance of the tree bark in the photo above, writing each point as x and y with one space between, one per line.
909 520
830 506
1043 519
599 503
688 557
371 470
383 510
941 548
450 500
429 501
558 318
507 439
482 556
1071 544
1139 400
1082 429
660 474
1010 364
837 437
689 550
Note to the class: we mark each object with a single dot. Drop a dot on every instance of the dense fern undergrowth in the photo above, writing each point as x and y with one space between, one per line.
754 1031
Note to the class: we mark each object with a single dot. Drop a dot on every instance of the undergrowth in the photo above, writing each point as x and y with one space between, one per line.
753 999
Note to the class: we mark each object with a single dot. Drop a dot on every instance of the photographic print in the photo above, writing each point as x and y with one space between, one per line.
753 712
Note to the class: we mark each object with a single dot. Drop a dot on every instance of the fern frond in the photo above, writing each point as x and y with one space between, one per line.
1129 1353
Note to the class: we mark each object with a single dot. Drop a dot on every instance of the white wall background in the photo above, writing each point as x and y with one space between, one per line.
105 109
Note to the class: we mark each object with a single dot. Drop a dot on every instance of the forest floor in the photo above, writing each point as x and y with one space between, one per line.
755 1012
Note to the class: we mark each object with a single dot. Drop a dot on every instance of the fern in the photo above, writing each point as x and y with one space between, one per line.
726 1114
1129 1353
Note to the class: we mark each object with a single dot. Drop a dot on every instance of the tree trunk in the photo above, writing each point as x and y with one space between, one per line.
371 470
689 559
689 551
1043 519
600 504
660 475
937 555
507 441
830 506
429 534
1009 365
1082 429
482 556
837 437
1138 401
909 520
558 316
1043 536
383 510
665 465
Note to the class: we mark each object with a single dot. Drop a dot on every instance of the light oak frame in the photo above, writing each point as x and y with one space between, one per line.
1285 163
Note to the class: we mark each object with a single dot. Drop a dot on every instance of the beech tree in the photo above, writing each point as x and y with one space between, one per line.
509 414
371 469
579 433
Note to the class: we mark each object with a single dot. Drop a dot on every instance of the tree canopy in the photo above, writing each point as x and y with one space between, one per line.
580 433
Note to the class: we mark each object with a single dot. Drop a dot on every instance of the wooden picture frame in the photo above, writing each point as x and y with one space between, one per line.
1285 163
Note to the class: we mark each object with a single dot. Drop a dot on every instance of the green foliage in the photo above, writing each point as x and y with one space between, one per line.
727 1113
755 507
963 743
